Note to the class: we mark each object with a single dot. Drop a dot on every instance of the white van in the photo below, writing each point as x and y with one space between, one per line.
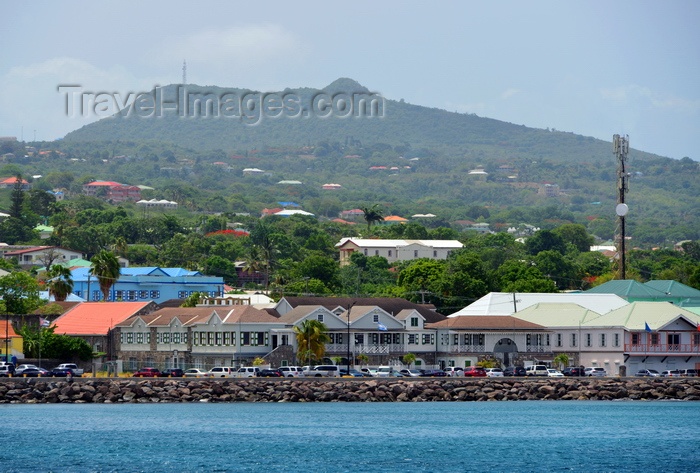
385 371
291 371
327 371
247 372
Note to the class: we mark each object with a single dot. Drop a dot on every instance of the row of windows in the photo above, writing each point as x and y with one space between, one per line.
199 338
671 339
120 295
390 253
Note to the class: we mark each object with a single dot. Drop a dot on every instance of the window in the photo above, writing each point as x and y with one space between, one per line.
158 337
413 339
96 295
696 339
139 337
176 337
455 339
616 340
376 252
434 253
227 338
414 321
210 338
428 339
635 339
397 338
359 338
673 339
245 338
415 253
181 294
389 253
148 337
218 338
143 294
654 338
166 337
559 339
385 338
588 340
365 251
131 295
602 339
129 337
375 318
155 294
118 295
319 317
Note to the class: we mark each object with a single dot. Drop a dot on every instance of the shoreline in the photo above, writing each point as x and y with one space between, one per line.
180 390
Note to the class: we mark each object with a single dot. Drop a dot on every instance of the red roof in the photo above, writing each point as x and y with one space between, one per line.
12 180
96 318
104 183
10 331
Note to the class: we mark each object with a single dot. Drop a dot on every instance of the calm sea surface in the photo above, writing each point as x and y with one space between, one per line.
532 436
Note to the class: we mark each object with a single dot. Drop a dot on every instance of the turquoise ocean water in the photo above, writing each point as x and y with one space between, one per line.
532 436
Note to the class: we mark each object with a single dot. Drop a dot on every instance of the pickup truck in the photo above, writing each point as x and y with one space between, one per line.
73 367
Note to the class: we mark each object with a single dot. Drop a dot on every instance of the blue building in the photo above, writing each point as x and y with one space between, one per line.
148 284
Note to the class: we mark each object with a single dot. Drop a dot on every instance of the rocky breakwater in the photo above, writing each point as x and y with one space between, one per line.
86 390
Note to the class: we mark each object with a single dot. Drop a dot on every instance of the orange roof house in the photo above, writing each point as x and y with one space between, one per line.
94 321
395 219
16 344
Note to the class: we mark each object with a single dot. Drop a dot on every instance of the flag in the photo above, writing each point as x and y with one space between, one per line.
382 327
698 327
43 322
646 327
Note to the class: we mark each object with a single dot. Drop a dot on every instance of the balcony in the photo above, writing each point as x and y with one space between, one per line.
664 348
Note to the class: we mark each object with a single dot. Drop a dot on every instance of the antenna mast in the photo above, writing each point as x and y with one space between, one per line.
621 147
184 72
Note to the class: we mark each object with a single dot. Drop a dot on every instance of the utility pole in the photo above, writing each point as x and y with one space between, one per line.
620 149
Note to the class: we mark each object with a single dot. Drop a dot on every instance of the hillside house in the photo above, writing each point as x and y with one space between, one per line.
397 250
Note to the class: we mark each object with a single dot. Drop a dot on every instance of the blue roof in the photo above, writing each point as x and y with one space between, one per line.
289 204
71 297
81 274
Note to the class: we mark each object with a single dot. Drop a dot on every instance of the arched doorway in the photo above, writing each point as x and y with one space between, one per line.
505 350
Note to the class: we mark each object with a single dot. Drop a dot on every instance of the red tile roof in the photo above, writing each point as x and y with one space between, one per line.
10 331
97 318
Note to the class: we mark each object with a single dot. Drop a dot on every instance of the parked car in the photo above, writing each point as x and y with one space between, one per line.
536 370
7 370
147 373
269 373
246 371
196 373
494 372
353 373
434 374
671 374
648 373
454 371
172 373
368 371
386 371
573 371
689 372
59 372
319 371
21 368
595 371
291 371
35 372
222 372
474 372
411 373
552 373
73 367
514 371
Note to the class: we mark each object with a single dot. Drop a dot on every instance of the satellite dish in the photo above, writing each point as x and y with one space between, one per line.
621 210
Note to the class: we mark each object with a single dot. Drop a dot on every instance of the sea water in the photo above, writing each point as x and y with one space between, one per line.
529 436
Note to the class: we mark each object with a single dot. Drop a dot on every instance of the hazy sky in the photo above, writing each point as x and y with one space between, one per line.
594 68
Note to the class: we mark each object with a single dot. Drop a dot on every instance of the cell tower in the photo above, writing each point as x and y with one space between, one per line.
184 72
621 146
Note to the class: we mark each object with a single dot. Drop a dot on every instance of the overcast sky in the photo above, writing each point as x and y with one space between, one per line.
594 68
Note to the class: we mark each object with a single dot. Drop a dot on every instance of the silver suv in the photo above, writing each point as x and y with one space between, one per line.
291 371
221 372
595 371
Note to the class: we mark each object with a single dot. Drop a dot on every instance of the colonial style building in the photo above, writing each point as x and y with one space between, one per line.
397 250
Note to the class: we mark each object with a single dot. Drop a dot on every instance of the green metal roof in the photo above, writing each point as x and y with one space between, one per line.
630 290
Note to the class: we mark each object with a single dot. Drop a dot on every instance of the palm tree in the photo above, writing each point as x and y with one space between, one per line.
372 215
59 282
312 337
562 359
363 358
105 266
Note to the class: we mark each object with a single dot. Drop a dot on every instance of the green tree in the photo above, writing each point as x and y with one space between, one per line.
105 267
576 235
59 282
20 293
561 360
409 359
192 300
544 240
311 337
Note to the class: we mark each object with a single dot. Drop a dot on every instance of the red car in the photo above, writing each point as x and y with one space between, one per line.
147 373
474 372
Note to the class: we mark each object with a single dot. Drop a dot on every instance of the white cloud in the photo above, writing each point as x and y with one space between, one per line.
242 45
637 94
508 93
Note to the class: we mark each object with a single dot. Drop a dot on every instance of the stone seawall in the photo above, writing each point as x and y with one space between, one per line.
91 390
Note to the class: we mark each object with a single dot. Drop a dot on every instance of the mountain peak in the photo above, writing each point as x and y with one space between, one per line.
345 84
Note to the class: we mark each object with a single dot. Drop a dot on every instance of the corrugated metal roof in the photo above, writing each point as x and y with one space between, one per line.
97 318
